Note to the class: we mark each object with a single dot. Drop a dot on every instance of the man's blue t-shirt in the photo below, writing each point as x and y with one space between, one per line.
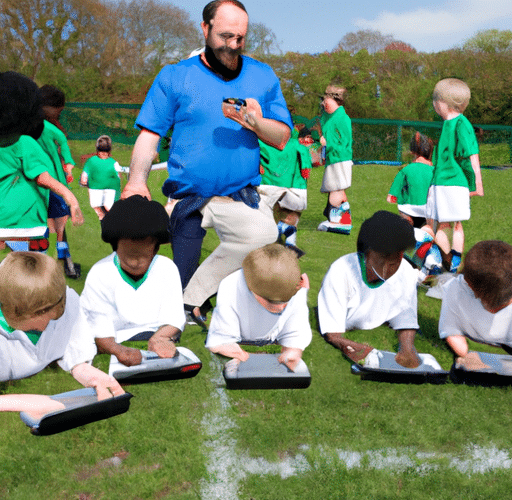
210 154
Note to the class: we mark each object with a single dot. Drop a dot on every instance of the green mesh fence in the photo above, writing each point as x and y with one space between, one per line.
374 140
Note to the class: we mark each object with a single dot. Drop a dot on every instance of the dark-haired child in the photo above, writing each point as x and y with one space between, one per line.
101 176
364 290
477 304
134 294
410 186
25 169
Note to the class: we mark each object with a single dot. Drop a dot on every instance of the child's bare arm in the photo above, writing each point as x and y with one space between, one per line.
105 385
458 344
231 351
290 356
475 163
407 355
128 356
162 343
46 180
35 405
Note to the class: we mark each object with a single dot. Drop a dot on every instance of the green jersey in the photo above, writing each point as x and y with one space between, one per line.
411 184
452 166
102 174
23 204
50 140
282 168
337 130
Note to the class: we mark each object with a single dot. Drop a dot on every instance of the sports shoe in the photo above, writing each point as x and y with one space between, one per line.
433 264
455 263
340 220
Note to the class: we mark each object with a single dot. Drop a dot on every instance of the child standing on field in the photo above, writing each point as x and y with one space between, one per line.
101 176
456 171
283 186
337 139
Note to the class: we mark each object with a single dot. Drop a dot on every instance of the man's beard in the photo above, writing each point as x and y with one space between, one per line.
225 61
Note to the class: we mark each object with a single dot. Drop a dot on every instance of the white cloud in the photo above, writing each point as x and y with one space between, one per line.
454 17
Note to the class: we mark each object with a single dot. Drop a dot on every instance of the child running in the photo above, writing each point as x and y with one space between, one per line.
456 171
101 176
337 139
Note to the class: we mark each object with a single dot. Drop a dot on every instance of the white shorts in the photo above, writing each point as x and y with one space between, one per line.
102 198
448 203
337 176
289 198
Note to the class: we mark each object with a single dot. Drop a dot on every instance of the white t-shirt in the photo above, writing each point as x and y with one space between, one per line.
347 302
67 339
238 317
463 314
117 307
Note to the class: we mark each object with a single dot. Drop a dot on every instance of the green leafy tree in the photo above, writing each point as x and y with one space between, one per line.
490 42
261 40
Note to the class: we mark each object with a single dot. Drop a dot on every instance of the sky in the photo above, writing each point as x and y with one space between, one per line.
318 25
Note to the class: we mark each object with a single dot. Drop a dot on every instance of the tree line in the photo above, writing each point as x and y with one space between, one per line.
111 51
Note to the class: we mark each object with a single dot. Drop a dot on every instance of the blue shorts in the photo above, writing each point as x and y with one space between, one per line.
57 206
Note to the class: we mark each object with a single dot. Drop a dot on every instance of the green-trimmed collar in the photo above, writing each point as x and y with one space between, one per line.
362 265
127 279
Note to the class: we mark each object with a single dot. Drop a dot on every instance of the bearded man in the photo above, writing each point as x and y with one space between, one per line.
218 104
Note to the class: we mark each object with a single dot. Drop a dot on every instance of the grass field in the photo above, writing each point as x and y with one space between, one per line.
342 438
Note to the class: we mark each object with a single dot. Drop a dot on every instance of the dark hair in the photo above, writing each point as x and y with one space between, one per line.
211 8
135 218
104 144
385 233
422 145
52 96
488 271
21 109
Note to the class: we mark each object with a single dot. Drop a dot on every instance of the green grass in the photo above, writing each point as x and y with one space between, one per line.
342 438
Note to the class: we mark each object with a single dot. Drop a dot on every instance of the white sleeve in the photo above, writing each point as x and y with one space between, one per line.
333 303
407 319
296 330
81 347
225 323
449 320
96 304
171 311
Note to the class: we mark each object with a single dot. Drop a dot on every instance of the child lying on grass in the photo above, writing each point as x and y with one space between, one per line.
265 302
477 303
364 290
41 322
135 294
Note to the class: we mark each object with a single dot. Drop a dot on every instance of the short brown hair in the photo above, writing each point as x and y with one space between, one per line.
488 271
337 93
211 8
454 92
29 282
421 145
272 272
104 144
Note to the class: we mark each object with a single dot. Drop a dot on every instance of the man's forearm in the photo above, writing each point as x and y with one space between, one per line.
140 164
272 132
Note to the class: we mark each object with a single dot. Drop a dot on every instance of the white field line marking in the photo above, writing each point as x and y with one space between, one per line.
226 467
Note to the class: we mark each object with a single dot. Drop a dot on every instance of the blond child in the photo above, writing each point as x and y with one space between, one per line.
264 302
337 139
41 322
456 171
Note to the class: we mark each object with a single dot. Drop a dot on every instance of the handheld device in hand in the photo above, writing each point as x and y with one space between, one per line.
235 102
81 407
